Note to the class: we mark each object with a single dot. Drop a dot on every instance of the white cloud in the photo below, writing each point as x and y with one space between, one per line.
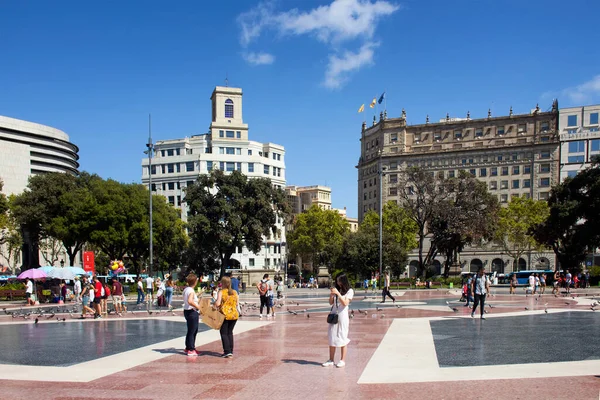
339 67
254 21
584 92
333 24
339 21
259 58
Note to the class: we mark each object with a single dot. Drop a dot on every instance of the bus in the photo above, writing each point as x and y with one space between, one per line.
523 276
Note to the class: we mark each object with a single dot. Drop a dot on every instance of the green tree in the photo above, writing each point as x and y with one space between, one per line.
399 235
466 217
318 236
423 193
515 224
38 205
229 211
3 213
571 228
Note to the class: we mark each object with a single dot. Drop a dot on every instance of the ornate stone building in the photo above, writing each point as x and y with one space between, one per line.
515 155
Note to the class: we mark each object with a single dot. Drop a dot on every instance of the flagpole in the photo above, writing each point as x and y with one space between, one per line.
385 100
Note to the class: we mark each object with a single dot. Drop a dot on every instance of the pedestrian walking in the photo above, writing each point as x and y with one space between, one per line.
117 295
98 293
263 291
340 297
542 278
470 291
149 289
568 280
481 288
513 283
386 288
169 287
77 289
140 291
86 291
227 302
29 292
190 312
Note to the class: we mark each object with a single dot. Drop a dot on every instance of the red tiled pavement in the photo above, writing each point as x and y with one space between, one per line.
282 360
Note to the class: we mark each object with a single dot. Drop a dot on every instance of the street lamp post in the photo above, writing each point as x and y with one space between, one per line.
150 150
381 173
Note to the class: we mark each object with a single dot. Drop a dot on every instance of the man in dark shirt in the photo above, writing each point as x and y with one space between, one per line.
117 295
235 283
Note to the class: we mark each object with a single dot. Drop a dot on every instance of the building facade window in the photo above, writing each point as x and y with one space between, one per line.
170 168
171 185
526 183
577 146
544 155
572 120
503 184
544 168
493 185
571 174
238 134
189 166
521 128
483 172
493 171
544 182
172 200
515 170
526 170
478 132
229 166
153 170
222 165
575 159
266 169
222 134
500 130
458 134
504 171
230 134
230 150
545 126
515 184
250 167
594 119
209 165
595 145
228 108
503 198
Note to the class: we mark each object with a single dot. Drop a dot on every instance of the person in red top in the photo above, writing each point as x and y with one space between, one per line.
117 295
97 297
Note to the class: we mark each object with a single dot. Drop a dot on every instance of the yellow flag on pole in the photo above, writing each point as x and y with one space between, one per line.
361 109
372 105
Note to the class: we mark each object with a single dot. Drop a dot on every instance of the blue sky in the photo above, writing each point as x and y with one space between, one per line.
96 69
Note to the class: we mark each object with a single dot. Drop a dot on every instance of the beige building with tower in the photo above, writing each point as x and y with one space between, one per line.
177 163
514 154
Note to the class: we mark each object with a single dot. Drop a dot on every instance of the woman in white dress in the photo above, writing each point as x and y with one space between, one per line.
339 298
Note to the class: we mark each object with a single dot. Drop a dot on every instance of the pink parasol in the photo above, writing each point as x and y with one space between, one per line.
32 274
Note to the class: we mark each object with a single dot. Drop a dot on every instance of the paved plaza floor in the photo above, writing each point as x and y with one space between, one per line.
424 346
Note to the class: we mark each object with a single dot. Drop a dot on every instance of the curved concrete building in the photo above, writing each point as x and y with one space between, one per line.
27 148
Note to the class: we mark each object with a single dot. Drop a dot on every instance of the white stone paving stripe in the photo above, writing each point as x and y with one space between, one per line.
407 354
101 367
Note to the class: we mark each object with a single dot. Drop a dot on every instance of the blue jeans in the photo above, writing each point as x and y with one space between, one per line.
191 318
168 295
141 296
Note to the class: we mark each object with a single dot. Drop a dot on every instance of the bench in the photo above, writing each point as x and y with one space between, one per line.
10 294
401 284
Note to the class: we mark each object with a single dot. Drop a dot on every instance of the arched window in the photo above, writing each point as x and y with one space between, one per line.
228 108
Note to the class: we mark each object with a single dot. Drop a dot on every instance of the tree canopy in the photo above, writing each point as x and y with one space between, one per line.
318 236
515 224
399 237
231 211
466 217
110 216
571 228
